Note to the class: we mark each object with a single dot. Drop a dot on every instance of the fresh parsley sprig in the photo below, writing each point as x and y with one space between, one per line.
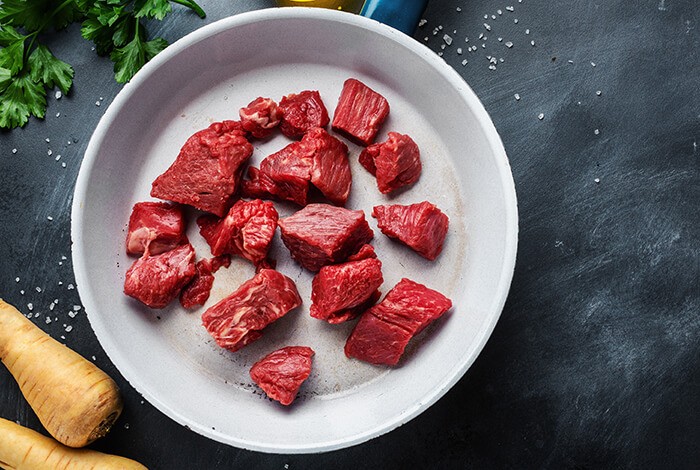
28 69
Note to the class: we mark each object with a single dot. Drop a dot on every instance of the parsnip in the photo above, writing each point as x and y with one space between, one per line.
74 400
23 448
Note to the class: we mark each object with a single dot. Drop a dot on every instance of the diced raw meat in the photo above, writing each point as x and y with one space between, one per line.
208 169
318 158
198 290
155 227
337 290
322 234
383 331
247 230
156 280
360 112
286 174
421 226
366 252
330 170
260 117
281 373
301 112
395 163
238 319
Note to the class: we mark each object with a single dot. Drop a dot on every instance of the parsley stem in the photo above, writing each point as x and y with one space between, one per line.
191 4
41 28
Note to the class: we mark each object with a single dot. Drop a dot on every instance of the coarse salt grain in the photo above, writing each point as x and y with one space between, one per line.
515 20
14 150
97 103
72 314
448 39
592 64
532 43
459 50
38 289
48 320
509 44
487 26
598 92
510 8
47 140
527 31
58 94
540 116
49 152
30 306
465 62
49 218
597 180
422 22
69 328
596 132
459 9
71 287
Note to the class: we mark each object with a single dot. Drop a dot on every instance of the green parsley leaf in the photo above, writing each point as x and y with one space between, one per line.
5 77
131 57
22 98
49 70
39 15
152 9
12 56
8 35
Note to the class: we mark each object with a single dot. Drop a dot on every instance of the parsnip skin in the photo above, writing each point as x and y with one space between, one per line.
22 448
74 400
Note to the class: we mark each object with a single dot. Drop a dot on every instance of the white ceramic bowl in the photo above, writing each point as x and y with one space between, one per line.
207 76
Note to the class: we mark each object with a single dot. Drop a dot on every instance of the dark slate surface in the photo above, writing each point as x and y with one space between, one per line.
595 362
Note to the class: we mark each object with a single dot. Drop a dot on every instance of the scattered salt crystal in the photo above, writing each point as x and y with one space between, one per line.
47 140
49 218
48 320
510 8
71 287
493 17
63 164
94 358
459 50
76 307
49 152
527 31
492 67
509 44
97 103
14 150
52 306
486 17
596 132
63 257
540 116
72 314
499 12
58 114
60 283
598 92
515 20
483 46
448 39
501 60
487 26
464 62
500 39
30 306
440 53
58 157
21 291
481 35
38 289
597 180
532 43
592 64
440 27
570 61
16 279
422 22
126 425
58 94
459 8
442 46
425 38
69 328
493 60
63 337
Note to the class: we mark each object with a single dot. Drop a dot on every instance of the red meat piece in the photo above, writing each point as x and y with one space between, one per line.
301 112
238 319
286 174
330 169
198 290
339 289
318 158
260 117
395 163
247 230
360 112
383 331
421 226
208 169
281 373
322 234
155 227
156 280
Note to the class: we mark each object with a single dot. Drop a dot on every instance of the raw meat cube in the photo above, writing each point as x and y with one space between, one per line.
238 319
383 331
421 226
156 280
286 174
395 163
367 251
281 373
260 117
338 289
208 169
301 112
318 158
360 112
247 230
330 169
155 227
198 290
322 234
